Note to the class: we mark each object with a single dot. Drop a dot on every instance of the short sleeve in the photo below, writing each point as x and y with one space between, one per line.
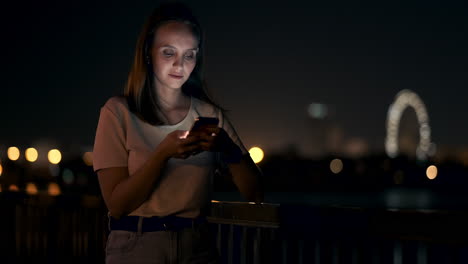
109 143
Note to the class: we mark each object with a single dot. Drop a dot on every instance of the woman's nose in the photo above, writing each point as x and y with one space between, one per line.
178 62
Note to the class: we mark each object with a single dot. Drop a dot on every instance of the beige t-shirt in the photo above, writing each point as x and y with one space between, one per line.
124 140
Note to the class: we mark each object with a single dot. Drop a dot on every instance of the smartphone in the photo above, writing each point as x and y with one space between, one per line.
202 121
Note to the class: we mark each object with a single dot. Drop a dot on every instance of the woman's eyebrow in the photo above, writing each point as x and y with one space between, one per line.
172 47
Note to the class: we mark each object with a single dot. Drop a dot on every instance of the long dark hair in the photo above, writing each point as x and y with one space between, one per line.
139 91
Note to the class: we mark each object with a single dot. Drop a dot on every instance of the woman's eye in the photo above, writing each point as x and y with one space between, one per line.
189 56
168 53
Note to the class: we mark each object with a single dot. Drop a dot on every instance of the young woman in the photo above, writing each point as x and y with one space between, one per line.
155 176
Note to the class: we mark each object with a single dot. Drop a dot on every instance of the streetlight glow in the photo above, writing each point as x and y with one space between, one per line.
54 156
431 172
31 188
13 153
31 154
256 154
53 189
336 166
88 158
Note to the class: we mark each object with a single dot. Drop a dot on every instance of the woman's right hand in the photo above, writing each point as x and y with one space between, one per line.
177 145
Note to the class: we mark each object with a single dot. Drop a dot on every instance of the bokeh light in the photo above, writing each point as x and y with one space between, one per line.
336 166
13 188
1 169
13 153
68 176
317 110
88 158
431 172
31 154
256 154
54 156
53 189
31 188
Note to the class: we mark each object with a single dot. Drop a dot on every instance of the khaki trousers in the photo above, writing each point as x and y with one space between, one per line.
190 245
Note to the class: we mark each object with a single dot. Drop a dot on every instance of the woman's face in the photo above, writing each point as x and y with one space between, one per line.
174 55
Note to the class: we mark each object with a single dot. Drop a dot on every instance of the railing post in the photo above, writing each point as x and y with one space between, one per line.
335 252
300 251
219 237
317 251
422 253
284 251
257 241
230 244
397 253
243 248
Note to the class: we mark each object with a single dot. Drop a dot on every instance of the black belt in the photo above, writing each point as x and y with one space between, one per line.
155 223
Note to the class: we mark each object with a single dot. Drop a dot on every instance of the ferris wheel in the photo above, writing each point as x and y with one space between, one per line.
404 99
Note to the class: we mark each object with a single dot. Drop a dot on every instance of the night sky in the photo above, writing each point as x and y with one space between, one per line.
265 62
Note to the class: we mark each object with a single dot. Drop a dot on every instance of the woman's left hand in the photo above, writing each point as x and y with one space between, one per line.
245 174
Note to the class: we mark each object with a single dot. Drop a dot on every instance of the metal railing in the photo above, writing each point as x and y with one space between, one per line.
52 229
304 234
72 229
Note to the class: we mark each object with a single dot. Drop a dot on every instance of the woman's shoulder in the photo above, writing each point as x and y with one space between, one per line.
204 108
117 104
116 101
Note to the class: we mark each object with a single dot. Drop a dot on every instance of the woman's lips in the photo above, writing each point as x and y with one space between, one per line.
176 76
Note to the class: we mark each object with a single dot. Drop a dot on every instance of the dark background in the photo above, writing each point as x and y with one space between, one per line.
266 61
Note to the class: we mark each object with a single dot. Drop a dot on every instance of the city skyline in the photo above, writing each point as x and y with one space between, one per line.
266 62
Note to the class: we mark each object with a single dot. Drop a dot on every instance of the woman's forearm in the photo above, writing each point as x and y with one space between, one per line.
247 177
135 189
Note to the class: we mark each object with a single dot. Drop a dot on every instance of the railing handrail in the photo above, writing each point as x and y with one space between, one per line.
412 224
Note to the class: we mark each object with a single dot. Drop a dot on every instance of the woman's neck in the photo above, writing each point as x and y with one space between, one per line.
173 105
170 99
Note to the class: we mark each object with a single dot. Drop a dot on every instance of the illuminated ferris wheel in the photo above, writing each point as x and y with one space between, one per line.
407 98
